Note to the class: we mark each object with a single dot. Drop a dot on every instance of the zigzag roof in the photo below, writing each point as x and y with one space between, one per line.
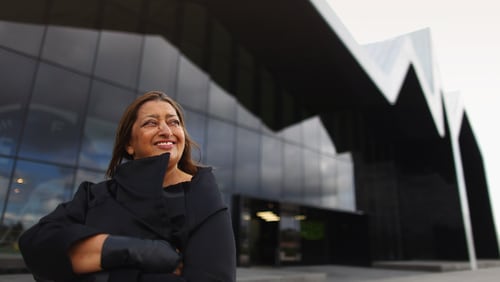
387 64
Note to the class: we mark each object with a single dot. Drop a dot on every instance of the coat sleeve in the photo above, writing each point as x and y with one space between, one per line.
210 251
45 245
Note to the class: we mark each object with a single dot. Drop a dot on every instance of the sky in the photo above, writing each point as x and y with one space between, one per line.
466 44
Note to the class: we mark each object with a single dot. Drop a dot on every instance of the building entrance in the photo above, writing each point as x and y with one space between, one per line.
271 233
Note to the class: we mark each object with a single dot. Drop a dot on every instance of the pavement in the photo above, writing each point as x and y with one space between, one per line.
405 271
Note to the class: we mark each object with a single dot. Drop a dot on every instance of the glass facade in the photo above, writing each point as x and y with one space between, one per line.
346 179
62 92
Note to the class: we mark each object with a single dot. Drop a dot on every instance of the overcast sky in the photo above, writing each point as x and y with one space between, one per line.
466 45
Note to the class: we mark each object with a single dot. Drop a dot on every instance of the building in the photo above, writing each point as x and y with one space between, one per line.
326 151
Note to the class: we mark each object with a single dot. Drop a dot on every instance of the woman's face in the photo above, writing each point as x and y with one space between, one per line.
157 130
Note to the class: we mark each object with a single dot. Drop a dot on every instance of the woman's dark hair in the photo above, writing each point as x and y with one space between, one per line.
124 131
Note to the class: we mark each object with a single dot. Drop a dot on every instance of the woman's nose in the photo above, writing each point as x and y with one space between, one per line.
164 128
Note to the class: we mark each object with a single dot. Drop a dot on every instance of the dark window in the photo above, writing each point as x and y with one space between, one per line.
193 32
81 13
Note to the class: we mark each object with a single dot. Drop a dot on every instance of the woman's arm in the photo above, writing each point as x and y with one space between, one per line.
45 246
85 255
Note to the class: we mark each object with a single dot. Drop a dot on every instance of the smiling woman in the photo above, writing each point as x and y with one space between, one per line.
160 216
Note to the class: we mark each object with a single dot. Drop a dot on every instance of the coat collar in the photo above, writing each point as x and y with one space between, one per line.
142 178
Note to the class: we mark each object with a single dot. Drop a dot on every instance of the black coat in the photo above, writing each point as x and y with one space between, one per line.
133 204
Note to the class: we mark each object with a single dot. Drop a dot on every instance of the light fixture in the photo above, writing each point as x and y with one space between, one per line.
268 216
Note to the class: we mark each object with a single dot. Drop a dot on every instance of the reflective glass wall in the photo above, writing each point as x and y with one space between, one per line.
63 89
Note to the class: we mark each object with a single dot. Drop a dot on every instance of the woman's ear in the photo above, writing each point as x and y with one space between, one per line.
130 150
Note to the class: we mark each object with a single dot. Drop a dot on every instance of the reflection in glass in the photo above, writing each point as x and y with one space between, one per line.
36 190
15 83
118 57
247 171
5 173
54 123
87 175
159 66
71 47
106 106
219 151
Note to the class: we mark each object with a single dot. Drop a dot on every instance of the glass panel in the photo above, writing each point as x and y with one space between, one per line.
329 182
246 118
54 123
293 177
5 174
25 38
247 162
292 133
15 83
312 178
272 167
196 126
71 47
36 191
87 175
221 104
345 182
192 86
310 132
119 57
159 65
220 151
106 106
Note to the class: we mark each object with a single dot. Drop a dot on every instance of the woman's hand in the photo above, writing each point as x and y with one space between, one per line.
85 255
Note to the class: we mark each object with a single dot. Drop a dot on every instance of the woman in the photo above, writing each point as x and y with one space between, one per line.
160 216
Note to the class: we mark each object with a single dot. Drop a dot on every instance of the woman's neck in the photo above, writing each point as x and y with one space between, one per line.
174 175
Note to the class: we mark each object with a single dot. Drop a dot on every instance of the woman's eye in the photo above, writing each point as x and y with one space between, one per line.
150 123
174 123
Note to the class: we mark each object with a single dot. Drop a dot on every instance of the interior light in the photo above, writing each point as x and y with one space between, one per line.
300 217
268 216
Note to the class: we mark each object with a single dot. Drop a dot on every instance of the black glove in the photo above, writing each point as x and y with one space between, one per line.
145 254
